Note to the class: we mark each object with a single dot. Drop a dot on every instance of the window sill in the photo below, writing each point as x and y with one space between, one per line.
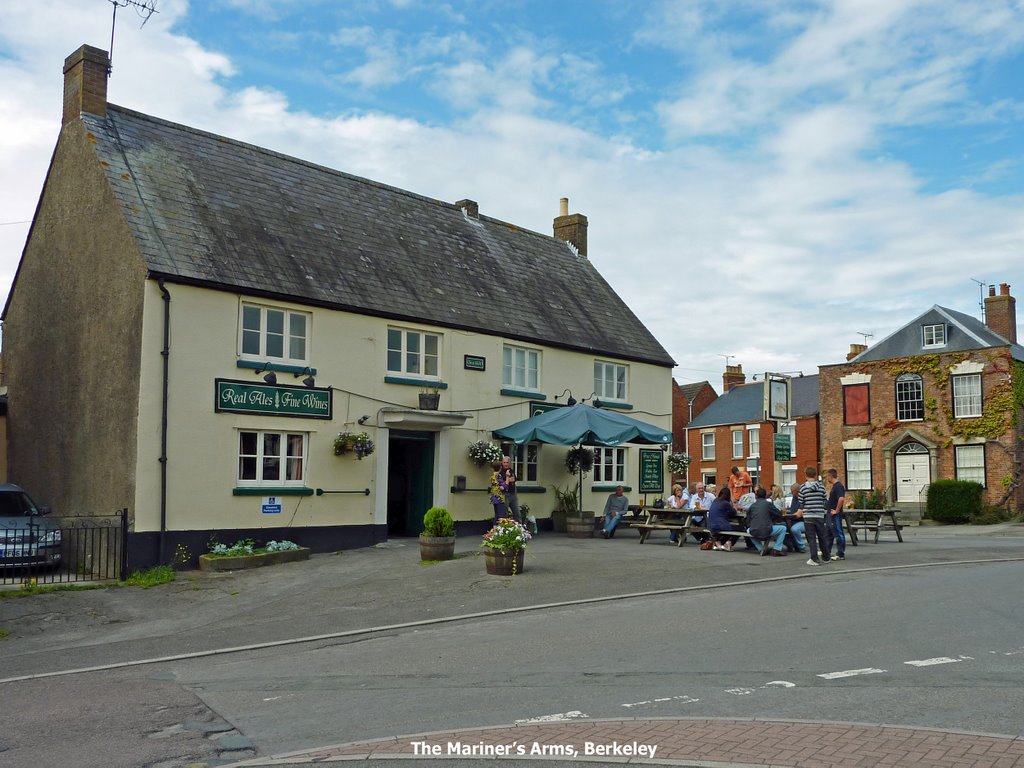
250 490
261 365
610 487
530 489
524 393
620 406
411 382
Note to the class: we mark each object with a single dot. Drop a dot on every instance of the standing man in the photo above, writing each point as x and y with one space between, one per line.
740 484
614 509
813 507
836 502
511 496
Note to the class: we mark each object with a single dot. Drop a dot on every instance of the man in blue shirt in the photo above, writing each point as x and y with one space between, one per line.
614 509
836 501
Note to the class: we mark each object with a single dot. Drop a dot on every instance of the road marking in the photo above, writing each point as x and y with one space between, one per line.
779 684
561 717
683 699
933 662
852 673
739 691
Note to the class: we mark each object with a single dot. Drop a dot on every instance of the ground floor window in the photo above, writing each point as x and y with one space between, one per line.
970 463
271 458
524 460
858 470
788 477
708 478
754 470
609 465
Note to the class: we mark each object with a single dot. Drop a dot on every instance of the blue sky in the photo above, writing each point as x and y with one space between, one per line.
763 180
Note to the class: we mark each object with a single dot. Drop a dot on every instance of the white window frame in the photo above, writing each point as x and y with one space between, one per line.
754 442
933 335
788 477
423 359
967 404
618 387
737 443
285 459
754 470
854 474
903 402
970 469
290 334
516 368
524 458
705 445
789 428
610 465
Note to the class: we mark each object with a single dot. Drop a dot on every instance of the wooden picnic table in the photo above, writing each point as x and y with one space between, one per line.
873 520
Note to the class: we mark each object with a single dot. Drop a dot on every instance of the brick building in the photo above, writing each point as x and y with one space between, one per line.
934 400
688 402
732 431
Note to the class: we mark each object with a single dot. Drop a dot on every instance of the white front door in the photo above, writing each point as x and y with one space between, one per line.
913 472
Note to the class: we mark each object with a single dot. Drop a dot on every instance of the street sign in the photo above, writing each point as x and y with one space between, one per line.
783 449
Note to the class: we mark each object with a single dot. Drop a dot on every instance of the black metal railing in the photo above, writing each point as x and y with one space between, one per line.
50 550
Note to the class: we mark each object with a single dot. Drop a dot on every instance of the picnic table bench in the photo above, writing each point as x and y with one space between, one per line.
873 520
668 519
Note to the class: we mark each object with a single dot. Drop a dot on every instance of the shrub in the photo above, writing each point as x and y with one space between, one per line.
954 501
991 514
437 522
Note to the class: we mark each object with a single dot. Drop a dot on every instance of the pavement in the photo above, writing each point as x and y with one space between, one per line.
380 588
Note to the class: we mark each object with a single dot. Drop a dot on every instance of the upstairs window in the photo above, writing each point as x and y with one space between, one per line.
269 333
520 368
856 404
754 442
933 335
909 397
611 381
737 444
967 395
789 428
707 446
413 353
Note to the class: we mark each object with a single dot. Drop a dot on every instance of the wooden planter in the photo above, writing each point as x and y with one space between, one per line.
501 563
241 562
437 547
580 527
429 401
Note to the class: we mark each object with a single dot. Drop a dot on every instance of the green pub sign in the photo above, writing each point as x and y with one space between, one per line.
652 471
243 397
782 448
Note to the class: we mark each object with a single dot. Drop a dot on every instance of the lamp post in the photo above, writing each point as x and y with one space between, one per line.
686 438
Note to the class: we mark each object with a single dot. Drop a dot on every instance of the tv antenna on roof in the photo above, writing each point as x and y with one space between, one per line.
866 336
982 285
145 9
727 359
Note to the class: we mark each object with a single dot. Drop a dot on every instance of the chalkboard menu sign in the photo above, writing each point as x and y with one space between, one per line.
652 471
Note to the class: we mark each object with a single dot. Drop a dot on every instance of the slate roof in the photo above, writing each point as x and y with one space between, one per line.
963 333
744 404
228 215
690 391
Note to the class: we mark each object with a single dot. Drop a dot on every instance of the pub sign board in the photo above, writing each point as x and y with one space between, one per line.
273 400
652 471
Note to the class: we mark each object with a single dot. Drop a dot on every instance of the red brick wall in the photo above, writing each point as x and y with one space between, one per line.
936 428
681 412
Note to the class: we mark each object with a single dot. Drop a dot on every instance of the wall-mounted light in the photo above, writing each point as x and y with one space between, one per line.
594 400
271 377
309 382
570 401
363 420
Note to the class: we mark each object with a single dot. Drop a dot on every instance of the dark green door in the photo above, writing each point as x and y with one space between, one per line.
410 481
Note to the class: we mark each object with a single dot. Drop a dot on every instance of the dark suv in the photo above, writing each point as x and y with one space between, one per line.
26 537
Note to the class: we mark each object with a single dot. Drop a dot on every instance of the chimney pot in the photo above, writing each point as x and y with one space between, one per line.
85 83
563 206
1004 289
1001 312
856 349
991 290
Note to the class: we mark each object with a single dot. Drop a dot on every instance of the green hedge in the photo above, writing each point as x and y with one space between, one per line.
954 501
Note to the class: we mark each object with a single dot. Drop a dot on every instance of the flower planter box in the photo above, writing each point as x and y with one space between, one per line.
241 562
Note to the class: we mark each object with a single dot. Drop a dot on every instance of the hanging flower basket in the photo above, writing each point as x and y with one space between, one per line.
482 452
579 459
678 463
356 442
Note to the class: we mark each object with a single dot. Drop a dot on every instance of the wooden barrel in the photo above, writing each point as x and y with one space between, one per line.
501 563
579 527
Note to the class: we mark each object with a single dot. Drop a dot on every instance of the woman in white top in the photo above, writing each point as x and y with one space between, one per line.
676 501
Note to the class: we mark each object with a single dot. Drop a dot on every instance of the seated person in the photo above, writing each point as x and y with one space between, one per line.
700 501
720 520
797 538
676 501
614 509
764 522
745 502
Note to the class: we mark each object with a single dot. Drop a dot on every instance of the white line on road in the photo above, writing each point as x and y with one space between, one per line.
932 662
779 684
561 717
852 673
683 699
739 691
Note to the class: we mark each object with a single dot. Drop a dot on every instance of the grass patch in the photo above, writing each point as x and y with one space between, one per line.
151 577
456 556
4 633
28 590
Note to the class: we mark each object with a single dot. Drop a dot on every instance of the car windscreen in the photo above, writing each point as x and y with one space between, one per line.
16 504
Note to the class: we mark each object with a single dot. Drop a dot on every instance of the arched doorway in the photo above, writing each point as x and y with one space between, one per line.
913 472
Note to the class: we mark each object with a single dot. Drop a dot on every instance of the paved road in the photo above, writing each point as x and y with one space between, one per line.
350 593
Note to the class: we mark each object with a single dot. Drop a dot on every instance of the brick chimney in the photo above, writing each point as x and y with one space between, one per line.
571 228
471 208
732 377
85 83
1001 312
856 349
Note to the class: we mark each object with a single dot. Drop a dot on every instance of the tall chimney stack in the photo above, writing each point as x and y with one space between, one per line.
1001 312
571 227
855 349
732 377
85 83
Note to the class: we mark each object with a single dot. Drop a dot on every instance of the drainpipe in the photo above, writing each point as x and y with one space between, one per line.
166 354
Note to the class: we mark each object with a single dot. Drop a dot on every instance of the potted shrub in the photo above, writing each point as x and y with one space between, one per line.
245 554
504 548
567 516
437 542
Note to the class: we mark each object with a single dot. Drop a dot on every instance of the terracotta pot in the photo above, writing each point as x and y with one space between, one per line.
500 563
437 547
